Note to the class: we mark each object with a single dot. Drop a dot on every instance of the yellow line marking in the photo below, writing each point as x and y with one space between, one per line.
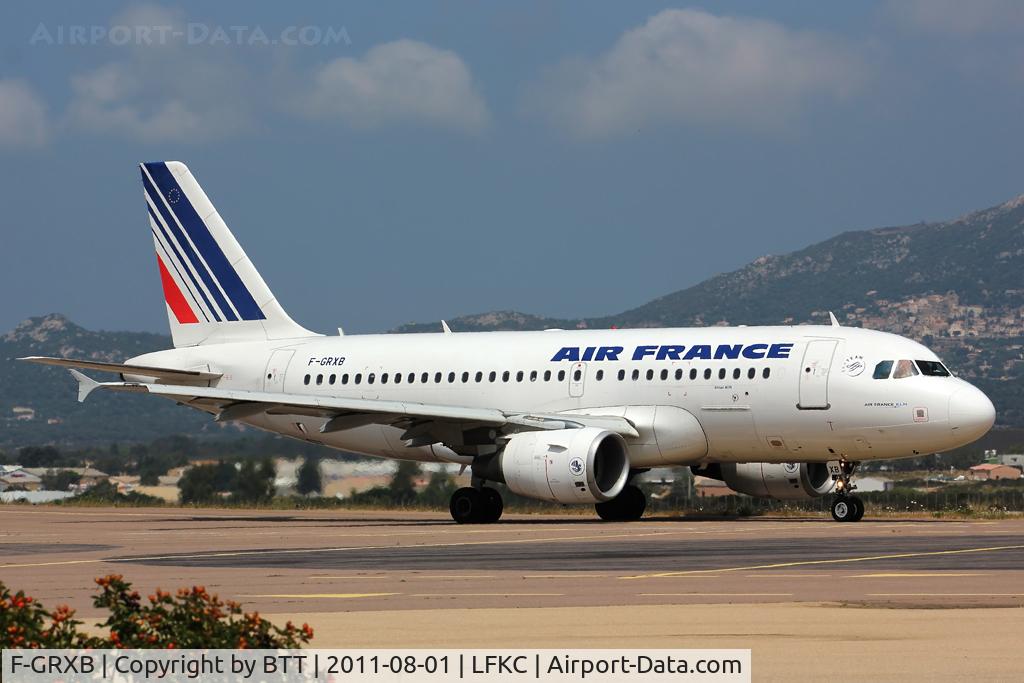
312 551
913 575
486 595
715 595
773 575
321 595
842 560
565 576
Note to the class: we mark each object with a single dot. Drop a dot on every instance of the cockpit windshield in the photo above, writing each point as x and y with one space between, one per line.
908 368
932 368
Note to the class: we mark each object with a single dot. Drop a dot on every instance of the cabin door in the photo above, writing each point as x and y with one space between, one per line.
814 374
276 368
577 376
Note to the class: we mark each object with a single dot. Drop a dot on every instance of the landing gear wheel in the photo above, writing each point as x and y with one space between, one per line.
628 506
466 505
858 511
492 505
843 509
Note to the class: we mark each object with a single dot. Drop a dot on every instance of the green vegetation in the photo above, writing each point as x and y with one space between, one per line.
193 618
60 480
309 480
248 483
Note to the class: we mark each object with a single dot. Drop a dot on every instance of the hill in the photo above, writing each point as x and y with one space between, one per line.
955 285
38 404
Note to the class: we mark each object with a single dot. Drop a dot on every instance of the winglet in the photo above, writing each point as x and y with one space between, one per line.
445 328
86 385
832 317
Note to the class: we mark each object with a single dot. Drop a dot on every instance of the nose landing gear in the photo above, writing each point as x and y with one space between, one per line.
847 507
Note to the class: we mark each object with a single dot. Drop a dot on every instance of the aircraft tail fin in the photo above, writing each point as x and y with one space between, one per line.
213 292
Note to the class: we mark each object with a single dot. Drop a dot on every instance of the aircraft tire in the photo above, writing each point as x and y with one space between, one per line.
493 506
466 505
858 508
843 509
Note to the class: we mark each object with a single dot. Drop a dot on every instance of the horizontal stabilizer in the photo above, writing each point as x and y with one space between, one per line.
143 370
86 385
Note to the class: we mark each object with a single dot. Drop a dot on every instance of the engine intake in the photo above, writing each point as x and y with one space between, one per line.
783 481
588 465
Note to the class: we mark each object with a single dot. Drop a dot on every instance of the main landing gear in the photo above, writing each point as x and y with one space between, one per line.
628 506
847 507
471 505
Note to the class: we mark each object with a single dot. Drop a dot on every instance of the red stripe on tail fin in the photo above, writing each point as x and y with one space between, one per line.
173 296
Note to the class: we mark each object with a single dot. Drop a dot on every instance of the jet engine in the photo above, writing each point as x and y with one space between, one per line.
588 465
783 481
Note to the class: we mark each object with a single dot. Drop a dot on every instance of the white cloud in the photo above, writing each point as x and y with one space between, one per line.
23 118
964 18
691 66
404 80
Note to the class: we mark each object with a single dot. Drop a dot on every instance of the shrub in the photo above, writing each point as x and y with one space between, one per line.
192 618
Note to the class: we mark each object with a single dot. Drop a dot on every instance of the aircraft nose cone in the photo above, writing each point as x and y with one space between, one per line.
971 414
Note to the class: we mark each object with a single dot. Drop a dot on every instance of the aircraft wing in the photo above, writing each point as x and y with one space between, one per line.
144 370
347 413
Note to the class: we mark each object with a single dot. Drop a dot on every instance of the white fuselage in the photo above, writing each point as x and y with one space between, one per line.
791 394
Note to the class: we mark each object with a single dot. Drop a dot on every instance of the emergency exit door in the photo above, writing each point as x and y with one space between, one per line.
814 374
577 376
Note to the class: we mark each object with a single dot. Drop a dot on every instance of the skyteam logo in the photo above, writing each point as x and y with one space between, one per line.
675 352
577 466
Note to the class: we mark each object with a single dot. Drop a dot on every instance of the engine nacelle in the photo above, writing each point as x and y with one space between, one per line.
588 465
783 481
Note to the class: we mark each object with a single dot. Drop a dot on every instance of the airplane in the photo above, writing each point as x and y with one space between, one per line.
568 416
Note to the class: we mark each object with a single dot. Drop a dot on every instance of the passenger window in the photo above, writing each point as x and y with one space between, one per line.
561 375
384 378
519 376
576 375
882 370
344 378
736 373
664 375
465 377
492 376
359 377
721 373
370 378
932 368
398 378
679 374
547 375
332 379
599 375
636 375
424 378
750 373
319 380
504 376
437 378
904 368
707 373
479 377
533 375
451 378
622 375
766 373
305 380
650 375
412 377
693 373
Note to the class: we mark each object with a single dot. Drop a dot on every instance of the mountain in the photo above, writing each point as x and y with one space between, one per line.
39 404
957 286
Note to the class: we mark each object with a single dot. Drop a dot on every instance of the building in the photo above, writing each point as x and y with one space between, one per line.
89 475
873 484
1013 460
18 478
992 471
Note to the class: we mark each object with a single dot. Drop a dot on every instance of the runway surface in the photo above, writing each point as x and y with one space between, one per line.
349 561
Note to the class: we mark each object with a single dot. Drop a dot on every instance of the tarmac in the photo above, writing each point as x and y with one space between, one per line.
888 597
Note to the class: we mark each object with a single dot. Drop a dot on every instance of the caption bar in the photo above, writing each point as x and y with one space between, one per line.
378 666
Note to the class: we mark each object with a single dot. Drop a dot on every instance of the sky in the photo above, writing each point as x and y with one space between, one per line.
384 163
